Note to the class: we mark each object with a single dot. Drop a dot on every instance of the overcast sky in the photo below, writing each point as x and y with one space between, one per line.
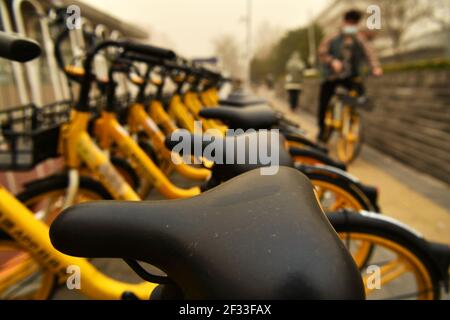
191 25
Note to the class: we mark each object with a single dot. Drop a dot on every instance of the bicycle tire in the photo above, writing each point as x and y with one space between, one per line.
131 173
362 136
356 148
58 182
127 171
149 150
344 184
385 228
49 281
328 130
353 196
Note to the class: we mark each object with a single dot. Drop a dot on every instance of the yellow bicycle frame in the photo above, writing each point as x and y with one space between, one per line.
179 112
33 235
139 120
161 117
210 97
194 105
109 130
77 147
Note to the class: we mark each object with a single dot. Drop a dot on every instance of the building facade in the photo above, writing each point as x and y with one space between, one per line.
31 18
40 81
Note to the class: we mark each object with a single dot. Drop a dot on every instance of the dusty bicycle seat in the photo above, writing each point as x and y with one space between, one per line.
322 157
241 99
252 117
264 117
254 237
246 154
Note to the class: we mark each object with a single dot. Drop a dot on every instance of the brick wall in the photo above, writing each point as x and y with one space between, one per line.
411 119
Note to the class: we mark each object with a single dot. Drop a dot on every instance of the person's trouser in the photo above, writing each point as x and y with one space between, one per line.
327 90
294 97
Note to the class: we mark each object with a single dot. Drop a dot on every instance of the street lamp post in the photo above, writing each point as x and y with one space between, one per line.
312 42
248 54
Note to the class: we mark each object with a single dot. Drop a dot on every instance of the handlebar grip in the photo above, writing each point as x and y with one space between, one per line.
168 64
211 73
143 58
15 48
149 50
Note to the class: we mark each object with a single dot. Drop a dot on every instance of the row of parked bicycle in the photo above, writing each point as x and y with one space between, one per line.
311 231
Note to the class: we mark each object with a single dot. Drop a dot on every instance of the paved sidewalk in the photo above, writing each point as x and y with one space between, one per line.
414 198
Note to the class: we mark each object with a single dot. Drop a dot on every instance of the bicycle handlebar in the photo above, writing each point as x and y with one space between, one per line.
134 51
134 57
127 46
15 48
147 49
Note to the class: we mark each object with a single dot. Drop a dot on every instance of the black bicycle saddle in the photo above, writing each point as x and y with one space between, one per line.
254 237
253 117
238 153
322 157
240 98
265 117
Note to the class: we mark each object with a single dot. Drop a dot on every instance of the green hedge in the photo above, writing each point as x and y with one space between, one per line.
435 64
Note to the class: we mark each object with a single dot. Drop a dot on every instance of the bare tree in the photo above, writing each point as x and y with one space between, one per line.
399 15
441 13
227 49
266 37
441 16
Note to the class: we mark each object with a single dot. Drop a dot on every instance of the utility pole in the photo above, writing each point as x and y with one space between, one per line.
312 41
248 41
447 26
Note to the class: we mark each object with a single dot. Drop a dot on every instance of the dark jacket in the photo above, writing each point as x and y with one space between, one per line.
352 50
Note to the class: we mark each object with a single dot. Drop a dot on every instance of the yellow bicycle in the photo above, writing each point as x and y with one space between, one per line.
344 118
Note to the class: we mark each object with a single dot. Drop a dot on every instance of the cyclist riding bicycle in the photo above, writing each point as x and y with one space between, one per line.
342 54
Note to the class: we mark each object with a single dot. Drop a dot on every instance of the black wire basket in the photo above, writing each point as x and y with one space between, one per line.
30 134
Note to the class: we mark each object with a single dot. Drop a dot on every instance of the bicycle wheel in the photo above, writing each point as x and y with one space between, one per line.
126 170
350 141
400 266
338 194
21 277
45 197
328 128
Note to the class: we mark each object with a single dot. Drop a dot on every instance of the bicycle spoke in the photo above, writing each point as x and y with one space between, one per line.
389 272
17 277
338 204
410 295
25 285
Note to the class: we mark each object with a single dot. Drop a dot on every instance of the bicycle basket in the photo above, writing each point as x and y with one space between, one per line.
30 134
